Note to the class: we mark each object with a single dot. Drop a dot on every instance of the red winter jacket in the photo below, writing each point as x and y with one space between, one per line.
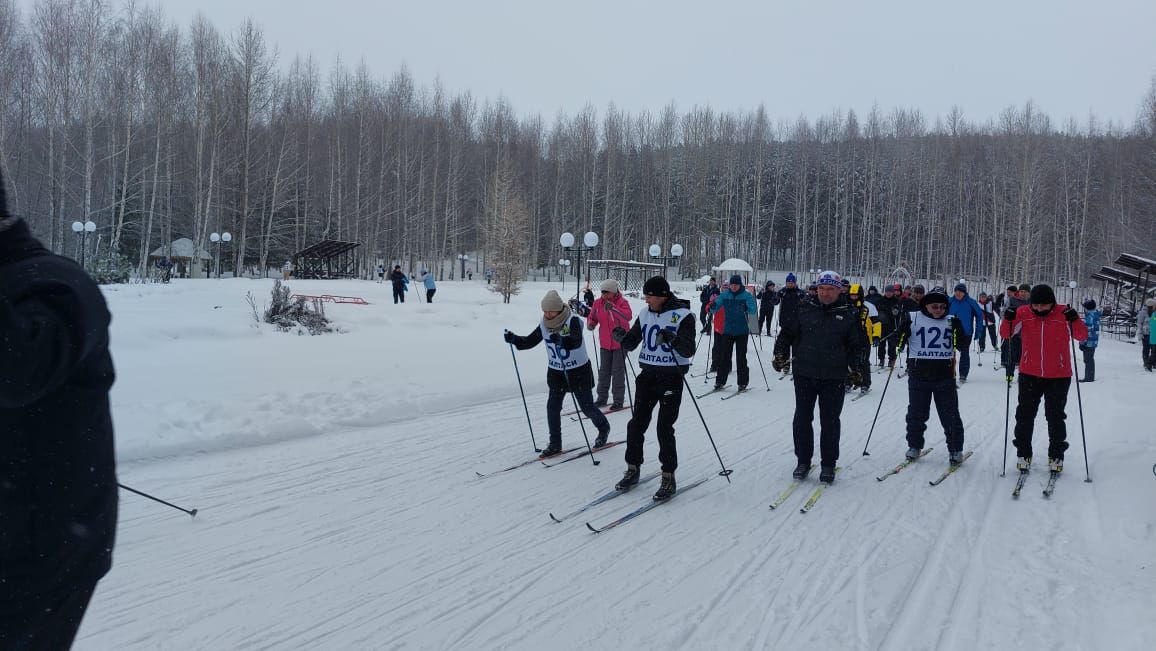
1045 341
611 313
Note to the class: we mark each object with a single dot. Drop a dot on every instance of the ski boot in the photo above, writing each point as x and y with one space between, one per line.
1024 464
629 478
955 458
617 407
667 489
551 450
1056 465
601 440
913 454
827 475
801 471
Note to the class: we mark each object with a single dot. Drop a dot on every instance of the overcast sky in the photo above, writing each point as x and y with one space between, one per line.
799 57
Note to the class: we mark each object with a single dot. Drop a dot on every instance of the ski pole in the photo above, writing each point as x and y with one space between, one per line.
1080 404
629 395
710 356
877 410
577 409
524 405
760 358
192 513
1006 417
725 472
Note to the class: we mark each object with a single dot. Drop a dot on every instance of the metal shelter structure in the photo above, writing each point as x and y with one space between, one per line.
630 274
1132 285
326 259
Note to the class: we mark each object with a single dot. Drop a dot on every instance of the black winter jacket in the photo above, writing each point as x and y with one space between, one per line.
789 300
931 369
58 490
684 340
579 378
827 340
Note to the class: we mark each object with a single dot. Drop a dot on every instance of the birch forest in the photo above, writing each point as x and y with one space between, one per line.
155 131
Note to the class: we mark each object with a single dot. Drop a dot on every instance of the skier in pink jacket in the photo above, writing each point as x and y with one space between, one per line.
610 310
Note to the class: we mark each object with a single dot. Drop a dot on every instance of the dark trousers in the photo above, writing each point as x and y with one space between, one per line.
766 316
964 358
1145 352
991 333
1009 351
1089 363
829 394
664 390
611 373
920 393
887 348
584 397
727 343
398 295
429 295
715 350
1054 392
38 622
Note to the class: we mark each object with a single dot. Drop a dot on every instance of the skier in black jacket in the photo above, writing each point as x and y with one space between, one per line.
399 281
711 290
666 332
930 334
889 318
58 489
569 368
768 299
789 298
826 343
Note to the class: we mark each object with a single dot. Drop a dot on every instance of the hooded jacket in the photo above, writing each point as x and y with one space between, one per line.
1044 348
610 313
736 306
58 488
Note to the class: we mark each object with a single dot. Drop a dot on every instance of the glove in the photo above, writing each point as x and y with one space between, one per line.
855 378
665 337
508 336
1070 314
618 334
1083 347
555 338
1009 314
781 364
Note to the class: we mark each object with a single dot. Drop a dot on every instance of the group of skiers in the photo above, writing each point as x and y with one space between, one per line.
400 283
824 342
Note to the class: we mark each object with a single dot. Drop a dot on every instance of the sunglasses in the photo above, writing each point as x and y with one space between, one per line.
607 291
937 306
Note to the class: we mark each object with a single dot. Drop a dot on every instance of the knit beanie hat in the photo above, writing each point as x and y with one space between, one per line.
657 286
1042 295
552 302
936 295
1025 287
1089 304
790 278
961 288
830 278
736 280
610 285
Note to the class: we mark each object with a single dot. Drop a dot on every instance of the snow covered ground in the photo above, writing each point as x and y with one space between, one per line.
339 506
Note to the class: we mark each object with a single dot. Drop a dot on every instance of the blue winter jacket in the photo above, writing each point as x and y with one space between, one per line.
735 306
428 281
1092 320
968 313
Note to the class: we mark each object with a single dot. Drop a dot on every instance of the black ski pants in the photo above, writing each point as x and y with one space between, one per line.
1054 392
767 316
886 349
578 381
829 394
920 393
1089 363
664 389
398 294
429 295
990 333
737 343
34 622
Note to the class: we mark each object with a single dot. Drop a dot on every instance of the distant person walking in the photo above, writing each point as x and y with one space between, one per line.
399 281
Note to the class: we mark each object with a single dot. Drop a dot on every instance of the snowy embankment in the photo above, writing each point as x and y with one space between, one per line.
361 524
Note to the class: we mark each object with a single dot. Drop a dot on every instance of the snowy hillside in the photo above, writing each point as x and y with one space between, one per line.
340 509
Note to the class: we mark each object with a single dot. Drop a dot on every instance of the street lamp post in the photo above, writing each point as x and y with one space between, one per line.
83 229
563 263
656 253
219 239
589 241
463 257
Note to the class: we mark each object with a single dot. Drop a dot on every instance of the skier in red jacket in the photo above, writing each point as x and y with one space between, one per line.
1045 330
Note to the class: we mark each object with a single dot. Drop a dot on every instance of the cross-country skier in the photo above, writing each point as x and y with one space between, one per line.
1045 330
569 368
1092 321
970 316
666 332
610 310
736 304
929 335
826 344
